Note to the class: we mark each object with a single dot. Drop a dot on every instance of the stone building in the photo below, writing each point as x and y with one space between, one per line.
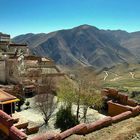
4 37
8 50
16 62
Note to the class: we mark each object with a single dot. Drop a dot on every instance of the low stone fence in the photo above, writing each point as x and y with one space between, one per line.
121 98
6 126
122 116
119 102
99 124
120 109
131 102
115 108
83 129
16 134
136 110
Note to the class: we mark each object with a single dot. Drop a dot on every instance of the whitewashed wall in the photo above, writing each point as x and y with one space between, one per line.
2 71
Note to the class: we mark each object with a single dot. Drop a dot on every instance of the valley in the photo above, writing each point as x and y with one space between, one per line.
125 78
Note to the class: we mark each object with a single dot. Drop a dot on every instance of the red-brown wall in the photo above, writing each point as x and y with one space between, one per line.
115 108
7 122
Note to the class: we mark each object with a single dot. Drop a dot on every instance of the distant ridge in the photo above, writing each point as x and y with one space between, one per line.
85 45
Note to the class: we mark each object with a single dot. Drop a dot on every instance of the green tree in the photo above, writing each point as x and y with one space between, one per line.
21 102
88 89
82 90
91 99
65 119
67 92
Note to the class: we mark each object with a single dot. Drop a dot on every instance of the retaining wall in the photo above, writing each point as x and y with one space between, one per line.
116 108
83 129
119 111
120 108
6 126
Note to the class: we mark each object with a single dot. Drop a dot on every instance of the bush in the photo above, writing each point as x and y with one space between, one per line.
122 89
136 96
27 104
21 102
65 119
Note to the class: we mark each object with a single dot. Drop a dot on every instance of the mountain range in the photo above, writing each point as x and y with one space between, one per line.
85 45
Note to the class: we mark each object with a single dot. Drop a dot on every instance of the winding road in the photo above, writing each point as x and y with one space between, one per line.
106 75
132 75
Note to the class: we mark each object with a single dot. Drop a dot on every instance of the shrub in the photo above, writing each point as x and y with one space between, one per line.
21 102
136 96
27 104
65 119
122 89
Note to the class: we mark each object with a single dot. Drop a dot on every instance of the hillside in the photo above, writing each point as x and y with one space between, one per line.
85 45
123 77
130 41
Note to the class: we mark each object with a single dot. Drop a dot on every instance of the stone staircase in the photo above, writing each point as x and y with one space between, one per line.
24 125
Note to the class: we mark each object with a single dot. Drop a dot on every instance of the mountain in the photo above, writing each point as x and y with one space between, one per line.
85 45
131 41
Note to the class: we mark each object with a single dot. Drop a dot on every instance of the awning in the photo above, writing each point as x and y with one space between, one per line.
10 101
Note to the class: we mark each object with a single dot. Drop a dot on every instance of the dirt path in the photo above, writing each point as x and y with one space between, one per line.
116 78
132 75
106 75
126 130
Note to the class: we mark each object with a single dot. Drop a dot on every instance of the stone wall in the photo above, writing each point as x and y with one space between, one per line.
121 108
2 71
83 129
119 102
116 109
7 127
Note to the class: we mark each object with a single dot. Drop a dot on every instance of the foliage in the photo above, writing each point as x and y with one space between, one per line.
21 102
82 90
67 92
27 103
88 89
91 99
122 89
136 95
65 119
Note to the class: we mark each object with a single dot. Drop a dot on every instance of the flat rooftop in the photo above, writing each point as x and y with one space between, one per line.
7 98
5 35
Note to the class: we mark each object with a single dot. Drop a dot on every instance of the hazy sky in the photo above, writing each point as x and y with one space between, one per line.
36 16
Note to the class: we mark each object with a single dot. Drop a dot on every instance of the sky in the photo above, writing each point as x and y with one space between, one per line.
44 16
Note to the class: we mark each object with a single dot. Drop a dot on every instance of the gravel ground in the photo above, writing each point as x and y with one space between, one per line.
135 136
34 116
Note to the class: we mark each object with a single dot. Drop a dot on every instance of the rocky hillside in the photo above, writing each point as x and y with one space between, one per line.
85 45
130 41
